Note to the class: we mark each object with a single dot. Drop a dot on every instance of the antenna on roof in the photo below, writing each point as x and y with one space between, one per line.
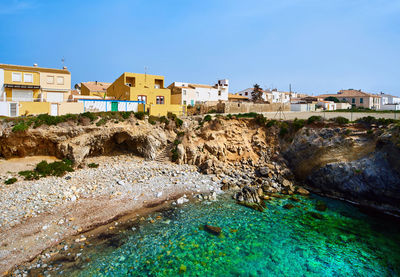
63 62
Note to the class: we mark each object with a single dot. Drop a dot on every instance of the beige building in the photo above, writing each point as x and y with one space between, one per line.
94 88
33 83
357 98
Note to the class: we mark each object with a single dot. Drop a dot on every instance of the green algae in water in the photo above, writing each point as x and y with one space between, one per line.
276 242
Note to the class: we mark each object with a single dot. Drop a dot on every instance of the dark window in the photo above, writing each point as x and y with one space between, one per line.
353 100
160 100
361 100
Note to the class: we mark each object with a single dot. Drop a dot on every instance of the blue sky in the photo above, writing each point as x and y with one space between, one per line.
317 46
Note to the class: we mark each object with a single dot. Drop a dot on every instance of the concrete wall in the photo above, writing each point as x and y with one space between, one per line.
302 107
70 108
328 115
237 107
106 105
391 107
162 110
4 109
2 92
33 108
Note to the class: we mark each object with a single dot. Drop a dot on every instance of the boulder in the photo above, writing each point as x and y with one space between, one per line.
302 191
213 229
263 171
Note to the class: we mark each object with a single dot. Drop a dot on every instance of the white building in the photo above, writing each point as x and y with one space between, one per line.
272 96
191 94
327 105
389 102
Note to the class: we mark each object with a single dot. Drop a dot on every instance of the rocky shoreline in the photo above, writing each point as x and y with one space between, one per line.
37 215
253 159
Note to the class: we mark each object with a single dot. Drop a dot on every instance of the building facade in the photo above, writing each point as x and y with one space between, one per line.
34 84
94 88
357 98
192 94
140 87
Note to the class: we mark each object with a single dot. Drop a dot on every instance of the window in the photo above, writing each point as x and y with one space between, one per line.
219 93
353 100
142 98
28 78
60 80
160 100
16 77
246 93
184 102
157 86
50 79
184 92
361 100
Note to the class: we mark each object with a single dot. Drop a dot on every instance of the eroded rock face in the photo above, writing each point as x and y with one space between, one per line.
78 142
361 168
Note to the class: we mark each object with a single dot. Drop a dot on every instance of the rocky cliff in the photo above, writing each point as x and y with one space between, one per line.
352 162
359 165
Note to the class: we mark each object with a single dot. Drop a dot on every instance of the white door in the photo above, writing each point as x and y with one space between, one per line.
55 97
22 95
13 109
54 109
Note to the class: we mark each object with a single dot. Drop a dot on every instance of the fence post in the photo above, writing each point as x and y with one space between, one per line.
351 114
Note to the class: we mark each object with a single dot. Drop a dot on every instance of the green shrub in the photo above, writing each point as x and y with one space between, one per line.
44 169
171 115
284 129
126 115
140 115
180 134
20 127
212 111
175 155
250 115
163 119
368 120
153 119
260 119
89 115
177 142
207 118
101 122
229 116
10 181
298 124
271 123
93 165
178 122
341 120
314 118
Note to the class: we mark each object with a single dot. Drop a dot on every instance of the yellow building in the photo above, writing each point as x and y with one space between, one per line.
140 87
148 89
26 90
34 84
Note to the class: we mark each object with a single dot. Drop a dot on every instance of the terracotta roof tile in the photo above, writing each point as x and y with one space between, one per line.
97 86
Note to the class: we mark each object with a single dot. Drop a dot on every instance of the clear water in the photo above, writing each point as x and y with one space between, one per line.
276 242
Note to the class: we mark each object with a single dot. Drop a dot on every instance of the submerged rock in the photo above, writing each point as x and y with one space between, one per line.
321 206
288 206
213 229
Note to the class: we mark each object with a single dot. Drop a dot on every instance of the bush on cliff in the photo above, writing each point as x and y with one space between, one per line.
314 118
207 118
369 120
341 120
140 115
44 169
260 119
298 124
10 181
20 127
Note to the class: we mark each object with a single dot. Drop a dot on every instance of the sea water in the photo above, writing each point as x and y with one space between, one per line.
302 241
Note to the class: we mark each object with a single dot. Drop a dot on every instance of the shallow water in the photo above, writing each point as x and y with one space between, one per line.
276 242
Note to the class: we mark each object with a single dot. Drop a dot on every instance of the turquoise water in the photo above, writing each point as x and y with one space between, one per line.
276 242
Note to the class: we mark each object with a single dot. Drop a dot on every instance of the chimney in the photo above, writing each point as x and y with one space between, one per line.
35 65
96 82
64 67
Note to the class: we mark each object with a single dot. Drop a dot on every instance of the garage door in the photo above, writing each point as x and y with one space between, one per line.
55 97
22 95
